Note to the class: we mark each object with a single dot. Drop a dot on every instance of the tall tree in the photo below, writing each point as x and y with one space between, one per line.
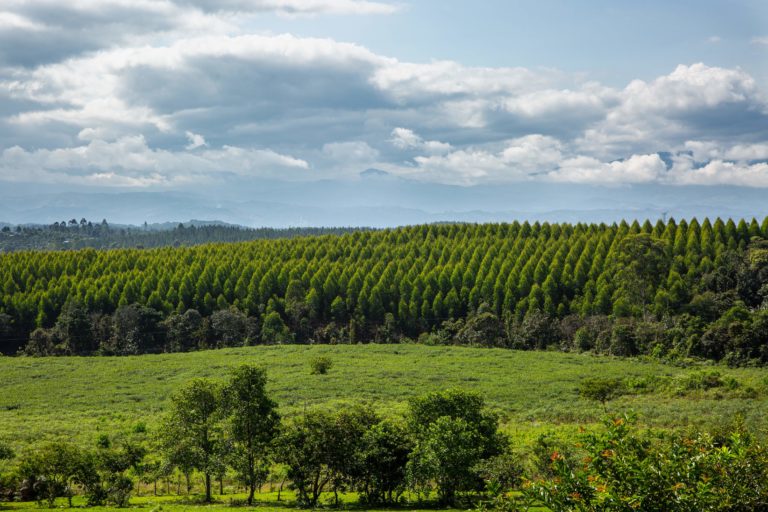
252 423
191 433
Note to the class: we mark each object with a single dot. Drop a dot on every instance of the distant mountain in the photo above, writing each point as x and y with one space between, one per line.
374 173
378 200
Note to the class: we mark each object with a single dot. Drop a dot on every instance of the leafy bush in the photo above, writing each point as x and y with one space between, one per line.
320 365
622 470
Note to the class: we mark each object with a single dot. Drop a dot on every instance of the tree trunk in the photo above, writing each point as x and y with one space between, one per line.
208 487
280 489
221 486
251 491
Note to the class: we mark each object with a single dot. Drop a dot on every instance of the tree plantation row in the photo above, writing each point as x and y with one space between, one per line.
446 445
74 234
673 289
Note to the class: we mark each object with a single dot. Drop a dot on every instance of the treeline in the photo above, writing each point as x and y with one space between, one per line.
447 445
74 234
675 289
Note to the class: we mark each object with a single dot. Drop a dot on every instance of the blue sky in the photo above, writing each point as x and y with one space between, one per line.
612 41
173 95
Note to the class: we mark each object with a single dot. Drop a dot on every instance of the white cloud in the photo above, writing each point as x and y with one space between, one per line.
343 107
661 114
354 151
704 151
297 6
517 160
760 40
635 169
718 172
129 161
195 140
12 21
406 139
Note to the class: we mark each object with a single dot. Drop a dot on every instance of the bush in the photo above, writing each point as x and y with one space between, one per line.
320 365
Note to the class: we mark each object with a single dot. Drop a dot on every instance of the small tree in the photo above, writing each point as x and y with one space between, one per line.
320 365
453 434
252 424
381 462
191 433
53 468
601 389
302 447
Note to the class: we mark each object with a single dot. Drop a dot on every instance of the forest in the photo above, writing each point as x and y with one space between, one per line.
670 289
74 234
221 437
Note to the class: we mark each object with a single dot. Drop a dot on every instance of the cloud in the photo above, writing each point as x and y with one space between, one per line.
355 151
35 32
704 151
141 99
516 160
403 138
691 102
763 41
718 172
296 6
130 162
635 169
195 140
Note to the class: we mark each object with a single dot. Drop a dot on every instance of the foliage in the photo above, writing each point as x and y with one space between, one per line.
621 470
320 365
51 471
453 435
191 434
601 389
685 288
74 234
252 424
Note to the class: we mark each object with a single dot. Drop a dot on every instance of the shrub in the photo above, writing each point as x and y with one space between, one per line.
320 365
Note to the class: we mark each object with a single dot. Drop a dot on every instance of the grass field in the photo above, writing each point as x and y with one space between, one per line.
533 392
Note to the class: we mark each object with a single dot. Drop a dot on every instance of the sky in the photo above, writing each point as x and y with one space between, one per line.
175 95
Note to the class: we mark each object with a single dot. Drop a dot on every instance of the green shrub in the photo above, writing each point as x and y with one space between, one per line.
320 365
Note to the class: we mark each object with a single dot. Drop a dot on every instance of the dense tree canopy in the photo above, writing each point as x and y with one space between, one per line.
678 288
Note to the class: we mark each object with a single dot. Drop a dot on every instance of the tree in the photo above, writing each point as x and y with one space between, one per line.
103 473
54 469
601 389
135 330
74 328
453 434
445 454
641 264
229 327
381 461
321 449
191 434
184 332
303 447
252 423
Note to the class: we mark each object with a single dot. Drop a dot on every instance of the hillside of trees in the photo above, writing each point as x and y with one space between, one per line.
74 234
674 289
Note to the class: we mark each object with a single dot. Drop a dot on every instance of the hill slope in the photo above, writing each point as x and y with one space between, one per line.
80 398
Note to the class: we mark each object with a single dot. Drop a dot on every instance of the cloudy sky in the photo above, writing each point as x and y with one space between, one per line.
183 94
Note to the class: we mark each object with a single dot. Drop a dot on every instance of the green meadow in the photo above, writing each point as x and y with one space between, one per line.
81 398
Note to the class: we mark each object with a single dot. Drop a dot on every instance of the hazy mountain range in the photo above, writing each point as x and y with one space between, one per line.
379 200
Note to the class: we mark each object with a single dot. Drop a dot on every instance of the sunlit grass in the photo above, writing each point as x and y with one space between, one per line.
533 392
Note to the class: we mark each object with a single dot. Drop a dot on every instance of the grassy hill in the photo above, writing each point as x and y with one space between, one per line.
534 392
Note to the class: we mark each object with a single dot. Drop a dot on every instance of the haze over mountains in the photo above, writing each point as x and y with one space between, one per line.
379 200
